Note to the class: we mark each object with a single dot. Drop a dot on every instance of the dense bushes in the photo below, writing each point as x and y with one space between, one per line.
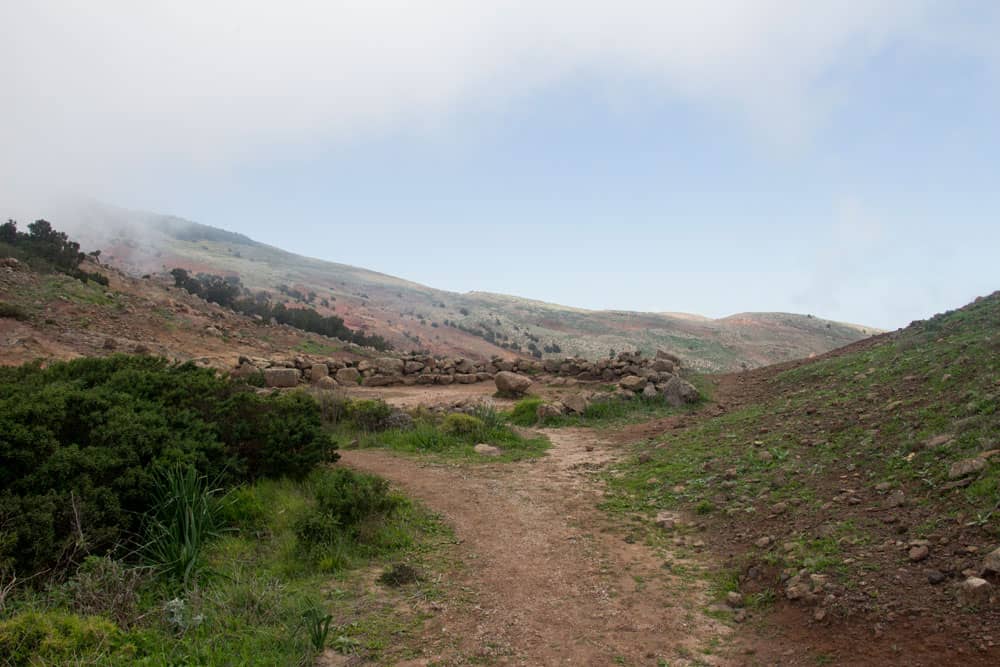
45 248
80 443
229 292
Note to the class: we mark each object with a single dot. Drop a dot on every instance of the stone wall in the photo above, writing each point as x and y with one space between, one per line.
426 369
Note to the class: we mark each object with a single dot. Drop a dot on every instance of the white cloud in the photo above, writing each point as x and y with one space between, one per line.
93 89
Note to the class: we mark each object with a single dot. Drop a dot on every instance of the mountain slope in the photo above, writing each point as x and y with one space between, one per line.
860 490
411 315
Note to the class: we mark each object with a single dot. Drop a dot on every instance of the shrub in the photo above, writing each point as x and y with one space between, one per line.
106 587
350 515
13 311
79 442
56 638
461 425
369 414
525 412
487 413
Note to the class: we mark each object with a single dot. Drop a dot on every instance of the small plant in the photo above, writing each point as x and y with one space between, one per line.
459 424
398 575
525 412
318 627
185 518
368 414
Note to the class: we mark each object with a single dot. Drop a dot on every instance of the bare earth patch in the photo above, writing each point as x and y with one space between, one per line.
548 578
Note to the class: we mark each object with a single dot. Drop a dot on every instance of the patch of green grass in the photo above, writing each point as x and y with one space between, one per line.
309 346
268 597
429 436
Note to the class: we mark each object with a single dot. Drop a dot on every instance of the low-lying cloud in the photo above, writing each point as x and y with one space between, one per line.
93 90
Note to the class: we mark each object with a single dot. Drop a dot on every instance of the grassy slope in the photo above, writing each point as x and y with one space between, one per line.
813 455
406 313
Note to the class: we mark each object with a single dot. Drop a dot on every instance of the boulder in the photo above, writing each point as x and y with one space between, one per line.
632 383
325 382
679 391
317 371
511 384
649 391
662 366
411 367
546 410
669 356
348 376
465 366
576 403
389 365
281 377
465 378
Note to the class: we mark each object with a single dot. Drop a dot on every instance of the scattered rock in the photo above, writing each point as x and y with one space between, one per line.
734 599
935 577
991 563
966 467
763 542
666 520
918 553
975 591
896 499
549 410
938 441
487 450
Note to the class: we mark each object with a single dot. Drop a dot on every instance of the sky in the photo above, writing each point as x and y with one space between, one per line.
834 158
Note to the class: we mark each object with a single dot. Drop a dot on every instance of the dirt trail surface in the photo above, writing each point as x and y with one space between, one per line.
550 578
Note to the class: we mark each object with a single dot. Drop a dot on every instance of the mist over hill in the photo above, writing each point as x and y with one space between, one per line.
415 316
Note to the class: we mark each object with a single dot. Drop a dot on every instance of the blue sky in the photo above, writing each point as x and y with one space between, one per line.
830 160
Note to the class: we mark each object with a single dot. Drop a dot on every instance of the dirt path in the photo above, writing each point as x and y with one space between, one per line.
550 578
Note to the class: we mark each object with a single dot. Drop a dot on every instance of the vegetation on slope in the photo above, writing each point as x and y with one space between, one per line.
154 513
872 466
46 249
230 293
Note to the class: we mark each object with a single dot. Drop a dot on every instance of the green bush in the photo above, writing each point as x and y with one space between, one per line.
13 311
525 412
57 638
368 414
349 517
459 424
79 443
